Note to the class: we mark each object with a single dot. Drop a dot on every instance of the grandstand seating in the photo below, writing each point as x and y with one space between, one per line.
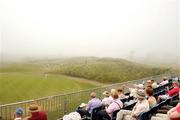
147 115
144 116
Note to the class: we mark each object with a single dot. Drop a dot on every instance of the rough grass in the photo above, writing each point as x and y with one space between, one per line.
105 70
23 86
39 78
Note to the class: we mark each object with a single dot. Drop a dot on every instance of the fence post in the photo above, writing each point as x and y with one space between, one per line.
65 104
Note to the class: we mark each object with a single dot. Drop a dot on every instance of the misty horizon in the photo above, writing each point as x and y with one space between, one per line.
132 29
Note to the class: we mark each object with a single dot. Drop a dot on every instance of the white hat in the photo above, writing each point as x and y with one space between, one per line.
82 105
72 116
140 86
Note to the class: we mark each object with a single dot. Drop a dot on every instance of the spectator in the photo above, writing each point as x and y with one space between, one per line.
18 115
133 91
107 100
152 83
174 113
148 83
165 81
116 105
141 106
36 113
170 93
93 103
72 116
120 93
151 99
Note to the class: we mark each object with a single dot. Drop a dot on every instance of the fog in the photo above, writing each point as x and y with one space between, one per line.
131 29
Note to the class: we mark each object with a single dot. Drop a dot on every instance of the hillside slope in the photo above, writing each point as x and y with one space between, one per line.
105 70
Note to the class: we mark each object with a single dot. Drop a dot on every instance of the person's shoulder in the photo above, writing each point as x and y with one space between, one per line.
42 113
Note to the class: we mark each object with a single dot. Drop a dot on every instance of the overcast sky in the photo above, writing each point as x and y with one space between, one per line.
90 27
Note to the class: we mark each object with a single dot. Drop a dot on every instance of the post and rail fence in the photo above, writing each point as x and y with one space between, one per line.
61 104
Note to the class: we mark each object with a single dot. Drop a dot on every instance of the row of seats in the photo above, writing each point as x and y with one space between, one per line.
157 91
147 115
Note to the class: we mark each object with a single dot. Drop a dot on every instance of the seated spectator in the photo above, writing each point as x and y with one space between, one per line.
93 103
36 113
151 83
121 93
154 84
165 81
133 91
151 99
141 106
174 113
18 115
170 93
72 116
116 105
107 100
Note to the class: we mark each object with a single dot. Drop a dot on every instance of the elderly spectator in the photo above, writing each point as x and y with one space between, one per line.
151 99
170 93
116 105
141 106
107 100
18 115
121 93
93 103
36 113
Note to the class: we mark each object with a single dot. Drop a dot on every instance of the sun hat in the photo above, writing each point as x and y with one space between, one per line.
82 105
106 93
72 116
141 86
34 108
140 94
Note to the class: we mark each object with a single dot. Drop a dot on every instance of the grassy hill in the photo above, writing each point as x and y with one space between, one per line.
24 81
105 70
39 78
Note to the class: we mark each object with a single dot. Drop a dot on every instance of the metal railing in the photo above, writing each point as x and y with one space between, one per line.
58 105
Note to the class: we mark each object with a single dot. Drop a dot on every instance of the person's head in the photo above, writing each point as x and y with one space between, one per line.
152 81
114 94
19 112
149 91
165 78
149 86
140 86
34 108
106 93
93 95
149 82
140 95
175 84
120 90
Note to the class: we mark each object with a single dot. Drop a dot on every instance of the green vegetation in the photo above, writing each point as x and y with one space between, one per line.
105 70
23 86
40 78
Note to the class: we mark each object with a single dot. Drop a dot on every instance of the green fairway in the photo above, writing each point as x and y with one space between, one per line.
18 86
